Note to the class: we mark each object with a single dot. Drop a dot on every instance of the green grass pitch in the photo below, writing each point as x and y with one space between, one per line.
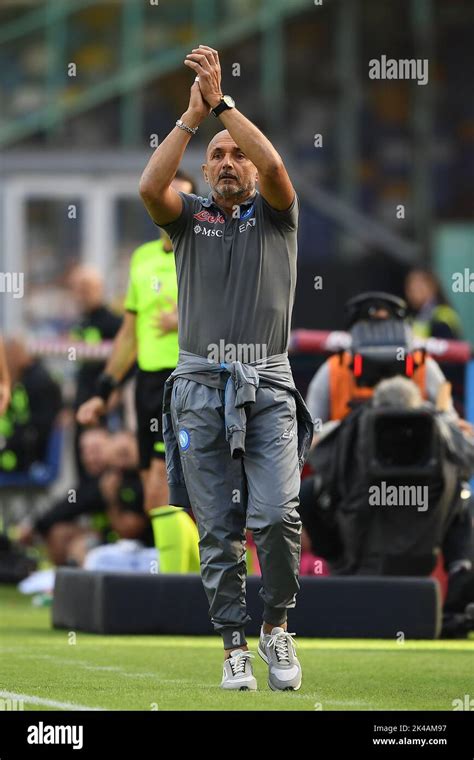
42 667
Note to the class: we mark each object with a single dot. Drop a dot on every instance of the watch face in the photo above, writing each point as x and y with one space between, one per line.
230 102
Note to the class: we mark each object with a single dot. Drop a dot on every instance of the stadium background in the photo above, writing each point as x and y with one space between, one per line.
83 140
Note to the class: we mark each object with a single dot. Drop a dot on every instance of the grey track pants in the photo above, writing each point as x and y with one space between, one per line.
259 490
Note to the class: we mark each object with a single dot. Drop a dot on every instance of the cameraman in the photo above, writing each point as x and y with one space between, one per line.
394 441
381 347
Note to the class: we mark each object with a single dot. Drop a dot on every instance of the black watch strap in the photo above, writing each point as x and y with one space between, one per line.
104 386
222 106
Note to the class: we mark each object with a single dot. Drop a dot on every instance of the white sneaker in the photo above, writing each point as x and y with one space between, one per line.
278 650
238 673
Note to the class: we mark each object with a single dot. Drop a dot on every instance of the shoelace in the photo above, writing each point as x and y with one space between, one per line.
238 662
280 642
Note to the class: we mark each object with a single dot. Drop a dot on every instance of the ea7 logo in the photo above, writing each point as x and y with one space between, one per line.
247 224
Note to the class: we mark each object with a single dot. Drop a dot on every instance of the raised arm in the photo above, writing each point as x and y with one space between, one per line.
163 202
274 182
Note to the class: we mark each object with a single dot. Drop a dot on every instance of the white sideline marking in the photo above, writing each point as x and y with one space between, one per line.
339 702
346 702
29 699
86 665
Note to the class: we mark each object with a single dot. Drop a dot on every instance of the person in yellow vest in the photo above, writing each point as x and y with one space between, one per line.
149 334
433 317
381 347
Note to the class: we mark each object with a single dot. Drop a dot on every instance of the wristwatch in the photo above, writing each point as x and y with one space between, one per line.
226 102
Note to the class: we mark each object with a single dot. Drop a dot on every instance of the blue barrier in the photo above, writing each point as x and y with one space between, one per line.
40 474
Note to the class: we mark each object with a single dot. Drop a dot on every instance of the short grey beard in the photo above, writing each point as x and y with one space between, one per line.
227 194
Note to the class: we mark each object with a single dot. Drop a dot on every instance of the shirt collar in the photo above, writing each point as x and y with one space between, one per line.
209 201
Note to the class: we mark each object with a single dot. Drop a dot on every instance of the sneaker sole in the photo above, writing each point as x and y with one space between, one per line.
287 688
244 687
237 688
275 688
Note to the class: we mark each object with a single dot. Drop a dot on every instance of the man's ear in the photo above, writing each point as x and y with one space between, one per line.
204 171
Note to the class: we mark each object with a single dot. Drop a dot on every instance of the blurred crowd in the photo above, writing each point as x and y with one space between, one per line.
87 466
103 504
100 520
384 108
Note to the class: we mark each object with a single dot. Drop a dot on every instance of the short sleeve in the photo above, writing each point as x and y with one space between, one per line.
131 297
287 219
176 229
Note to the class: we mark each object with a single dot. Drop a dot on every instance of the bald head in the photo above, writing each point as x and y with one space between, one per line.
220 138
229 173
87 287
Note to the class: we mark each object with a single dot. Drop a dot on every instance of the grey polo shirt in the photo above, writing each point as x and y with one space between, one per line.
236 277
